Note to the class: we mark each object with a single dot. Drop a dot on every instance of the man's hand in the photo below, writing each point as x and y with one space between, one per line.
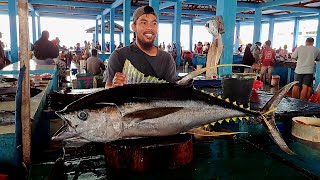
119 80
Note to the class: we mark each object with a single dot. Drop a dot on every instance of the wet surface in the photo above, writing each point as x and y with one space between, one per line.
7 118
220 159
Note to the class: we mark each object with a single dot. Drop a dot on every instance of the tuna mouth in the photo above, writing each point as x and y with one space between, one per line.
60 114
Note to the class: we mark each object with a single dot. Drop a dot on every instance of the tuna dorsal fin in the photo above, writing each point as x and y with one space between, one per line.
150 113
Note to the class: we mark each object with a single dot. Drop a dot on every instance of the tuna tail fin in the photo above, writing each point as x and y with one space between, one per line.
268 117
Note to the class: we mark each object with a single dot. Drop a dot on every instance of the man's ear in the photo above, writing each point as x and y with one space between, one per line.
133 27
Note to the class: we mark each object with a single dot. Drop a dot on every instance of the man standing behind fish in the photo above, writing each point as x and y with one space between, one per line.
142 53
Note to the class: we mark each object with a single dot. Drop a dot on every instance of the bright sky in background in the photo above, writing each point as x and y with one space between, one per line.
72 31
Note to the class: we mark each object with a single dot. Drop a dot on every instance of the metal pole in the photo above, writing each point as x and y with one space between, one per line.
24 61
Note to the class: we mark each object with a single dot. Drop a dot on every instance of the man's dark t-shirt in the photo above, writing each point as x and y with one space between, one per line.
43 49
161 66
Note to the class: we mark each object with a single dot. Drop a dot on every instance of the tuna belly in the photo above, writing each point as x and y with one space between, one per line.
180 121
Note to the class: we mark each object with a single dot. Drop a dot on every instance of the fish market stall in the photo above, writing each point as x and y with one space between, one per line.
218 158
41 85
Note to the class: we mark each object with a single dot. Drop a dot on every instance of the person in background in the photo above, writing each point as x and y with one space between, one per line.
120 46
44 50
47 52
256 52
174 51
305 56
283 53
163 46
98 46
143 54
187 57
169 48
85 51
248 58
2 57
94 64
199 48
240 49
78 52
206 48
268 57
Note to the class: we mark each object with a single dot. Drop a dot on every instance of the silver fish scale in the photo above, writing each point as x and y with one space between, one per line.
132 107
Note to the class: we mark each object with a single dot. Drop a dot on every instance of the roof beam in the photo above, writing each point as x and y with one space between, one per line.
276 3
165 5
30 7
295 9
113 5
67 11
66 16
70 3
293 15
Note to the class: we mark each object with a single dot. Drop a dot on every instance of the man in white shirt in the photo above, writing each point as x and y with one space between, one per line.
305 56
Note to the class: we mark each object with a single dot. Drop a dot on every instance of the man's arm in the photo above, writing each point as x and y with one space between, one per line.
295 54
114 69
171 74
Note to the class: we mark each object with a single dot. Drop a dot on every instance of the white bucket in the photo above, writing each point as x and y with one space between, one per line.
275 80
199 67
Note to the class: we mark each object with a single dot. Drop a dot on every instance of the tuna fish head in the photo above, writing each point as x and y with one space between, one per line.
99 123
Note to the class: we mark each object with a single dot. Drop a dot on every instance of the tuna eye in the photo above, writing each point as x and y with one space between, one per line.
83 115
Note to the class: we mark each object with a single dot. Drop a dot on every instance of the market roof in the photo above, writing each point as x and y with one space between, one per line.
118 28
198 10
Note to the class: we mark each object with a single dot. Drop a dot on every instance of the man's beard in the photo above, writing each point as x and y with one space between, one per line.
145 45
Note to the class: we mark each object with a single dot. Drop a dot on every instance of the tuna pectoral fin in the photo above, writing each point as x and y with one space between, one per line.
150 113
268 119
201 132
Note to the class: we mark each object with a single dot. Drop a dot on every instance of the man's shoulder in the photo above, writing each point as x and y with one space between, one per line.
163 53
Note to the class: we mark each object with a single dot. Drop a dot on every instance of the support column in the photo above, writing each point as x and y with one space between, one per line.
271 30
227 9
111 27
191 35
93 39
172 33
296 32
177 29
120 37
257 25
12 6
318 34
155 5
39 27
237 43
126 21
103 32
96 38
34 31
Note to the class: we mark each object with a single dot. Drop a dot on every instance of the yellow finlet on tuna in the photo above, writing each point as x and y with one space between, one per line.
227 100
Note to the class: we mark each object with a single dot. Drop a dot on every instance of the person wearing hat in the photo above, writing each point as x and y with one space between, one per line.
305 56
142 53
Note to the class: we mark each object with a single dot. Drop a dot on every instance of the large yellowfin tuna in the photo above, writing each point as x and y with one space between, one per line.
142 110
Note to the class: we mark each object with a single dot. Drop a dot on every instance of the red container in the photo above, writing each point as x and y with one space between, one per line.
3 177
